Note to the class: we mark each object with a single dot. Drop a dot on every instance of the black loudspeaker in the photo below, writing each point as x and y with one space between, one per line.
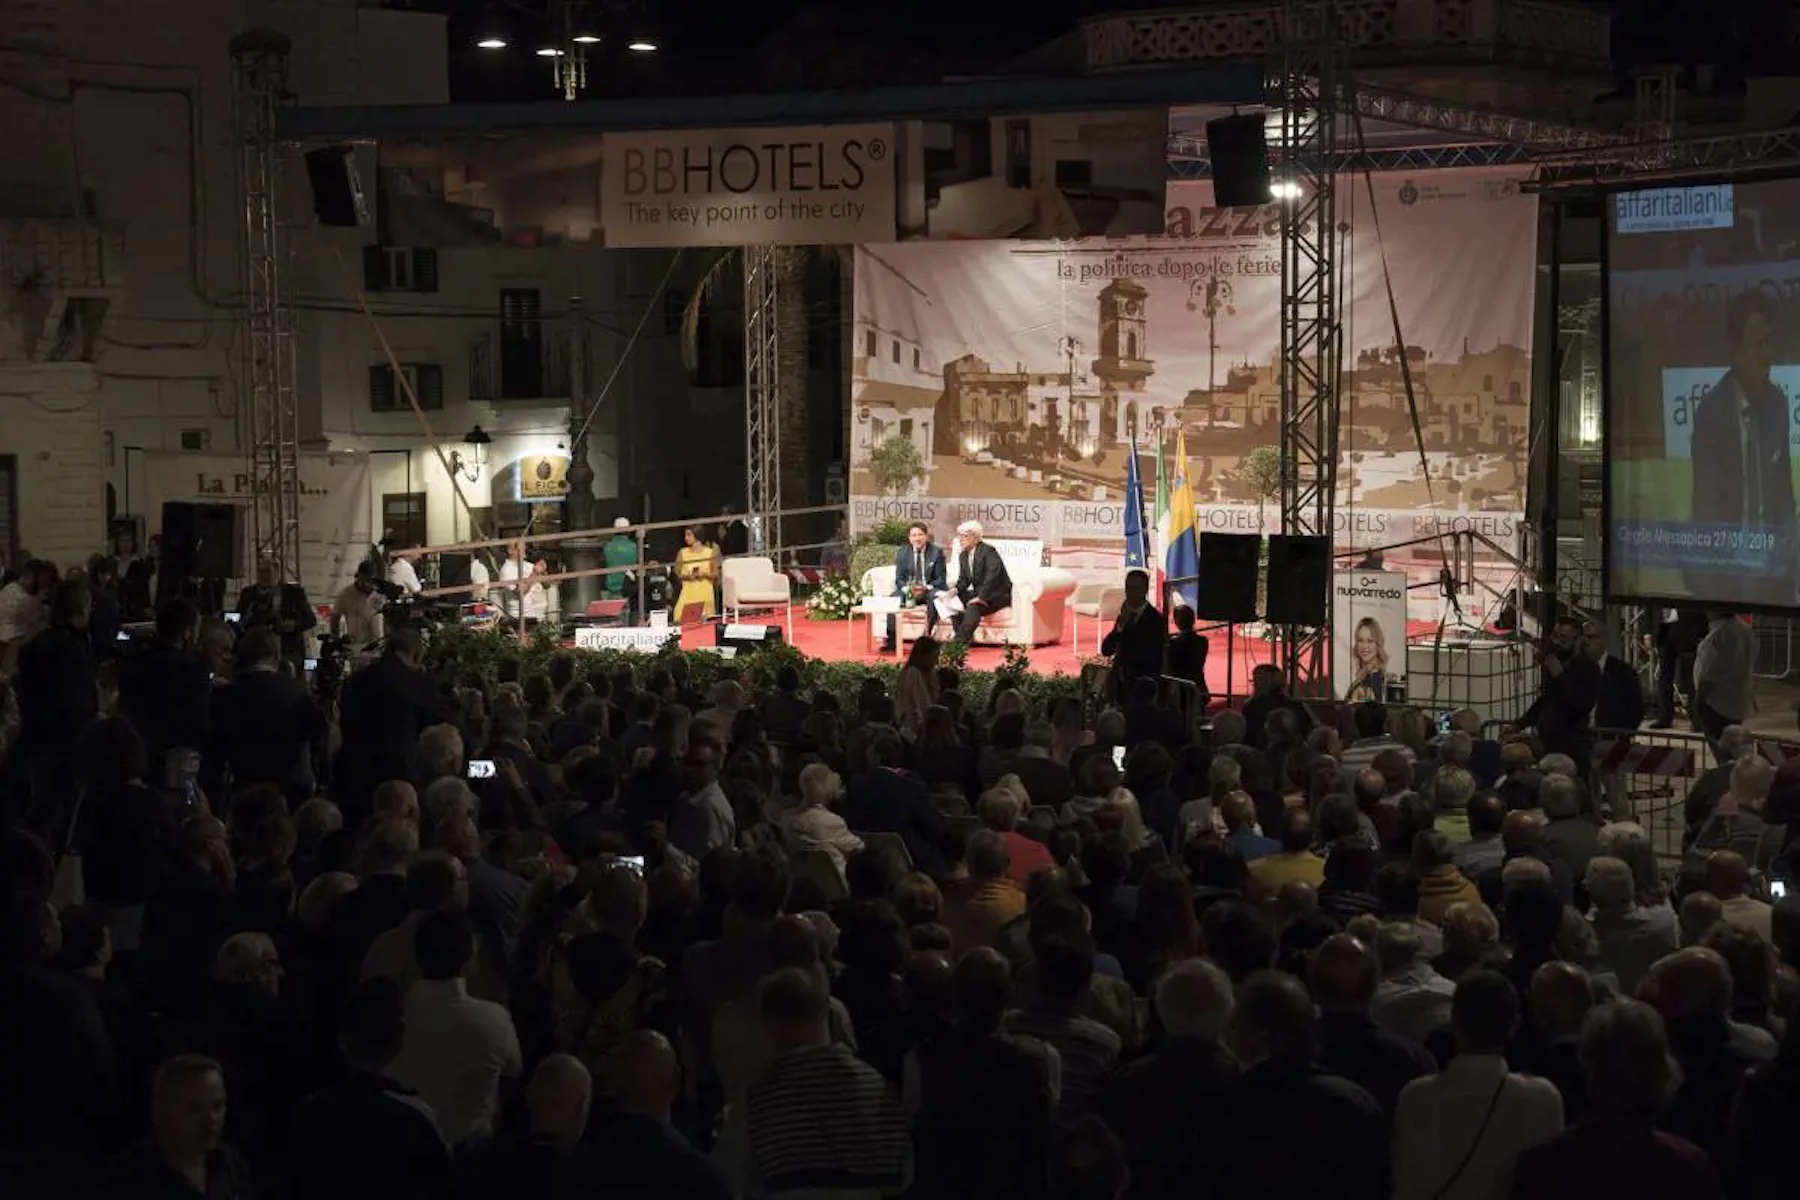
1240 161
202 540
747 637
336 187
1300 570
1227 588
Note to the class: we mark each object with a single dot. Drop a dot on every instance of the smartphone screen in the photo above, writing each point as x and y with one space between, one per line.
1119 757
481 768
232 618
122 636
312 664
634 862
1778 889
1444 722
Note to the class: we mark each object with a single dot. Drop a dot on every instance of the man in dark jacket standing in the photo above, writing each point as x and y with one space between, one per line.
1138 637
264 723
57 698
1563 711
166 694
982 583
384 708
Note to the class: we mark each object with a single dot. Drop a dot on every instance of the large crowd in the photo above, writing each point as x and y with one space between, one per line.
589 933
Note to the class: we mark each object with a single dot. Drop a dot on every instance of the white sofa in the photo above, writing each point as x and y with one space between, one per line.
1040 597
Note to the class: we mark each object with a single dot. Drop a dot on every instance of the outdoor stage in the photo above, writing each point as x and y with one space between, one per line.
848 641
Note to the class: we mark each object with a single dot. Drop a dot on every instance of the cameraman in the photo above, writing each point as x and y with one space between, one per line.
281 608
1563 711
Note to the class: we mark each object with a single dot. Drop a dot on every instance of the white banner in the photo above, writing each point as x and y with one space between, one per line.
334 507
1368 642
812 185
1008 381
643 638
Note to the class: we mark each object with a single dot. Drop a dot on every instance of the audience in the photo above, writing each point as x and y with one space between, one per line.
705 934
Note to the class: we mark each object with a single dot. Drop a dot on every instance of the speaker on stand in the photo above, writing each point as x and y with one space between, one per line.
1303 565
1226 591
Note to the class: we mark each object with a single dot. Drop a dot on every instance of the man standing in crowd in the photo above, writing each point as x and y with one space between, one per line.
1138 637
281 607
356 613
1674 635
983 586
1723 668
1563 711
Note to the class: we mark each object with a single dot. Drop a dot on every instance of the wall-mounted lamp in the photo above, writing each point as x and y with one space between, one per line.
469 462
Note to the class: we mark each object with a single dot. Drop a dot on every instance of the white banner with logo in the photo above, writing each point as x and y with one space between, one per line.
334 507
644 639
1368 641
810 185
1009 380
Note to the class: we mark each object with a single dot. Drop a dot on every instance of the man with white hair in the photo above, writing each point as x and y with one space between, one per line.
1736 822
1570 835
1704 795
983 586
1632 936
1171 1107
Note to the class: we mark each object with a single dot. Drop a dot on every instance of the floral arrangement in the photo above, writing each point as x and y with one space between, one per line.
833 599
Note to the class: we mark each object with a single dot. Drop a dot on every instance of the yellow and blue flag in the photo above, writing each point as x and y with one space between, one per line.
1182 556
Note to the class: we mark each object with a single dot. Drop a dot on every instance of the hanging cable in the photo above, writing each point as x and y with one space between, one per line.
619 363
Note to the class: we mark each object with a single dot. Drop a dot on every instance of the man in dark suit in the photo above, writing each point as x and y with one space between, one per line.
269 603
384 707
264 723
919 573
982 583
1139 637
1621 703
1563 711
1743 476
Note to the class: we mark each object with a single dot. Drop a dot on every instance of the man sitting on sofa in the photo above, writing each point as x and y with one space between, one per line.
918 574
983 586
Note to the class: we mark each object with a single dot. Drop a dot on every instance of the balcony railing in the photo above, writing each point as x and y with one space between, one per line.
499 374
1541 33
63 274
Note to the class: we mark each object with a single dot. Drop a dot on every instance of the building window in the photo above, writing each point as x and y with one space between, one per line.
916 358
399 269
1515 391
386 393
1018 153
1487 383
9 507
521 344
196 439
403 519
896 350
1131 345
869 348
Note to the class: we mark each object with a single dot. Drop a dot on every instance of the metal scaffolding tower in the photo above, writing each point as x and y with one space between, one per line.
762 376
1310 336
269 426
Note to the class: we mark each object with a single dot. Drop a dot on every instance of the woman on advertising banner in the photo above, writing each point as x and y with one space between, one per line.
1368 663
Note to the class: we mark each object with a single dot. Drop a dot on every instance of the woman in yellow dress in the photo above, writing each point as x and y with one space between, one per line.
697 566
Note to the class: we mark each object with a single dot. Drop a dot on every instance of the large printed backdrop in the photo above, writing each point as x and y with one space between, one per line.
1006 380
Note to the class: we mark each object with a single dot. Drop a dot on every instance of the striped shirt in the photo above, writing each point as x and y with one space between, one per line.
1088 1050
1361 753
822 1119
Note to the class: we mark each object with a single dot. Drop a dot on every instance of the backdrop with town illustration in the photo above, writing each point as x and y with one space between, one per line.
1009 380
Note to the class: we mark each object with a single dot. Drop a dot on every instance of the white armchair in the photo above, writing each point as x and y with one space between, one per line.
1099 600
754 583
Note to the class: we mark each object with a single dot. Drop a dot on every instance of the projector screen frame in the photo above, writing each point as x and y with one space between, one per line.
1607 191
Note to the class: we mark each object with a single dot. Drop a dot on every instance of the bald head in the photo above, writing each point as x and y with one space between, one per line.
1562 995
1521 831
644 1074
558 1100
1343 974
1369 786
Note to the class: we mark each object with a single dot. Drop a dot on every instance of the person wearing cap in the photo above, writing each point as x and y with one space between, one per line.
982 584
621 550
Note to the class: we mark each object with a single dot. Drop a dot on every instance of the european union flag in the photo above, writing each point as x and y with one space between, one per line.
1137 541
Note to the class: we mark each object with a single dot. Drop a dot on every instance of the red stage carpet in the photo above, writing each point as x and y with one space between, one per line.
847 641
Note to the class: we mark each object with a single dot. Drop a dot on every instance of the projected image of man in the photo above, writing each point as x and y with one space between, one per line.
1743 475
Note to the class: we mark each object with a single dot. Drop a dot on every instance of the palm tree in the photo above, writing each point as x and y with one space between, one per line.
791 265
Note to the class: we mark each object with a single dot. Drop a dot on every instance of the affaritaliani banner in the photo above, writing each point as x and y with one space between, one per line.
334 507
1008 380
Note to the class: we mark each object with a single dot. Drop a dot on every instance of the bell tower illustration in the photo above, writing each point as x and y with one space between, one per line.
1124 363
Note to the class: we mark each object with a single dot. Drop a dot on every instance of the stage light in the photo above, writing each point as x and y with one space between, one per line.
585 39
549 52
491 43
641 45
1284 189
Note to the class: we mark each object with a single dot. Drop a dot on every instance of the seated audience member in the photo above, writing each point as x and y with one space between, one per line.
1413 999
1631 1080
1295 862
1343 973
1459 1133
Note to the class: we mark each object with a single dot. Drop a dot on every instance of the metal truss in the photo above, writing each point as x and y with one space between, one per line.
762 402
269 423
1188 158
1649 162
1311 349
1423 112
